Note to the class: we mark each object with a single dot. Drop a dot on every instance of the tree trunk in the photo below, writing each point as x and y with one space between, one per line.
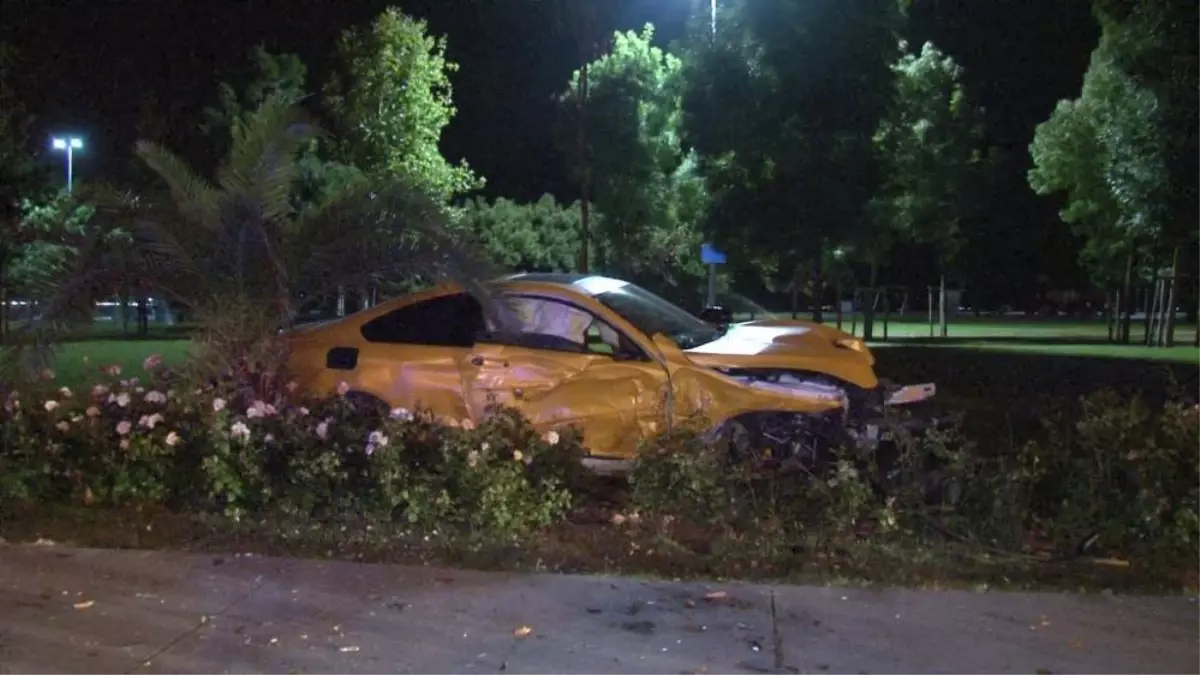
1127 301
1168 339
837 300
124 307
795 290
1160 312
887 313
929 308
1149 294
818 291
143 313
584 174
1193 310
1110 308
1196 338
3 299
943 329
869 307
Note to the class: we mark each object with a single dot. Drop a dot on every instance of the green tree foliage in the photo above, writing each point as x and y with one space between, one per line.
1156 45
1124 153
238 253
21 179
644 181
538 237
47 231
1070 156
283 78
391 98
930 145
782 105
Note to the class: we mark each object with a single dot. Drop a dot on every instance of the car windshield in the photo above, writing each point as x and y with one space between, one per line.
650 313
743 308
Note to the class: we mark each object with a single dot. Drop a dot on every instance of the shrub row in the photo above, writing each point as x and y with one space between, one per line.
1112 477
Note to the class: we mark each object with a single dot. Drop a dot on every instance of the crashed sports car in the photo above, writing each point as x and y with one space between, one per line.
609 357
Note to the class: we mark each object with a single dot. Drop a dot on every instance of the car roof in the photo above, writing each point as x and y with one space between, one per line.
588 284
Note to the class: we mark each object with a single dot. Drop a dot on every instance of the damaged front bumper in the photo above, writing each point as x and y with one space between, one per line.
895 408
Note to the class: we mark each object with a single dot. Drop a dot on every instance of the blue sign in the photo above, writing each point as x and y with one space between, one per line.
709 255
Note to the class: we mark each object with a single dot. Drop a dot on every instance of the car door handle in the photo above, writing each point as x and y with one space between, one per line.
477 360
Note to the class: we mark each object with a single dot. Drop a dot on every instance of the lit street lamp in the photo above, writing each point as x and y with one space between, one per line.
68 145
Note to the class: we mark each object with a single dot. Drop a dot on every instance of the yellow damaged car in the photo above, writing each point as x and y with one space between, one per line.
607 356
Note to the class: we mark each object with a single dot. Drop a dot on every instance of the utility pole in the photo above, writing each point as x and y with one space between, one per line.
585 171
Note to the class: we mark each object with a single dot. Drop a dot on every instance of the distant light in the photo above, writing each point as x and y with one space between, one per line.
74 143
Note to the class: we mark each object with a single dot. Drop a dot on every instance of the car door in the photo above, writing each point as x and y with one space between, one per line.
411 356
545 366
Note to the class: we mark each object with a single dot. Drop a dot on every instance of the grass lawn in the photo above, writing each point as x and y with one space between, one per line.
78 362
70 366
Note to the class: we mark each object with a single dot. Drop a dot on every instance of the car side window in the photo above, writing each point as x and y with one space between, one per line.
446 321
543 323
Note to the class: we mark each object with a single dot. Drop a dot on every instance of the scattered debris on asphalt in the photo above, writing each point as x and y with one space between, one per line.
639 627
522 631
85 604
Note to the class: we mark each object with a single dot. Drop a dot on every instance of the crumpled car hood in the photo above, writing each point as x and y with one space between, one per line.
790 345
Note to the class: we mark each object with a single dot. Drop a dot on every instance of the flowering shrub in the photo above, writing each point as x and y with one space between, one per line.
111 444
148 440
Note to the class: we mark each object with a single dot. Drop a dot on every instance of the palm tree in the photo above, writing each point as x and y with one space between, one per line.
238 254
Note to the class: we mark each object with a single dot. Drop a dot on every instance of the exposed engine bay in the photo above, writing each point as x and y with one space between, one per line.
860 420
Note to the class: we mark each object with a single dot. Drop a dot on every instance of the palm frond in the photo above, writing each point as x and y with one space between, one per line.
195 198
262 161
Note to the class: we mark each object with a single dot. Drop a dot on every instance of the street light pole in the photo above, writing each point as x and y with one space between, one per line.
69 146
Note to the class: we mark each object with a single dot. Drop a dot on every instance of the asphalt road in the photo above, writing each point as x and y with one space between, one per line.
97 611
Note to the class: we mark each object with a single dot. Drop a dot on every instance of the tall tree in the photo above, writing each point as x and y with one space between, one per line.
782 104
391 98
1156 44
1125 152
644 183
930 146
22 181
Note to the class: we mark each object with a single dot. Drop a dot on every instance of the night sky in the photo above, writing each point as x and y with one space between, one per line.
89 63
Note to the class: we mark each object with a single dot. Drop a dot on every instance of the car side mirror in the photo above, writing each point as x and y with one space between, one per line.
717 316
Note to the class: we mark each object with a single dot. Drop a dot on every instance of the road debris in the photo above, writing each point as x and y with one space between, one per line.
348 648
85 604
715 595
522 631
